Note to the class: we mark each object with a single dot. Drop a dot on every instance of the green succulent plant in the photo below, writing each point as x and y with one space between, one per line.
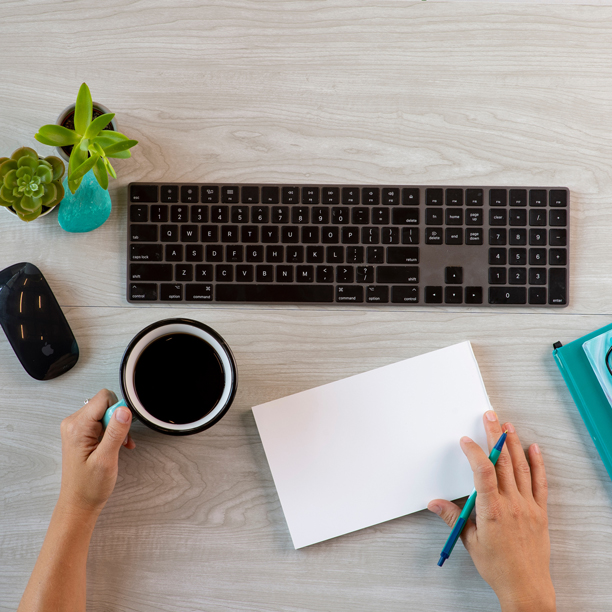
27 183
93 145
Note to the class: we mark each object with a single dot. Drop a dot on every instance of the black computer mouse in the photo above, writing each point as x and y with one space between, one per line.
34 323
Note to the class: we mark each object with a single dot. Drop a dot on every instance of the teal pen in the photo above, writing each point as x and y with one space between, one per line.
467 509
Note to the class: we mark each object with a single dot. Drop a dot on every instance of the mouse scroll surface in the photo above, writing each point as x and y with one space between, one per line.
34 323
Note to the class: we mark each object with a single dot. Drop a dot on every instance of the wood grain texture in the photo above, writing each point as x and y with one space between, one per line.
305 91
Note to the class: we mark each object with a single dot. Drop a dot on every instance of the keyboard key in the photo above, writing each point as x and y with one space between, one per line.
518 257
497 257
453 275
275 254
143 292
210 233
219 214
537 276
230 195
179 214
169 193
204 273
143 233
143 193
350 195
405 295
255 253
406 216
474 236
290 234
269 195
507 295
454 197
390 235
557 197
403 255
139 213
498 197
391 196
199 292
360 215
330 195
537 237
433 216
330 235
558 237
269 234
334 254
497 217
349 293
518 217
290 195
434 197
349 235
365 274
174 252
497 276
190 233
275 293
517 237
410 196
294 254
263 274
433 236
310 235
345 274
518 197
171 293
261 214
537 197
310 195
214 253
410 235
370 196
454 235
240 214
340 214
159 213
473 216
249 233
395 275
537 295
497 236
315 254
249 195
517 276
199 214
224 273
380 216
557 257
150 272
370 235
190 194
433 295
169 233
304 274
473 295
284 274
321 215
146 252
234 253
454 216
378 294
230 233
209 194
375 255
558 218
557 286
537 217
453 295
325 274
537 257
354 254
474 197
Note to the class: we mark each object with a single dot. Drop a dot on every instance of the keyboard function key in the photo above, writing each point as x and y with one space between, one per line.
537 197
411 196
169 194
249 195
433 216
270 194
143 193
518 197
391 196
453 235
474 197
210 194
473 216
557 197
434 197
330 195
454 197
454 216
370 196
290 195
189 194
310 195
350 195
498 197
230 194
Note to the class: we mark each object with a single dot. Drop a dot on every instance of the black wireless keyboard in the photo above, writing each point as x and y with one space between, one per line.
351 244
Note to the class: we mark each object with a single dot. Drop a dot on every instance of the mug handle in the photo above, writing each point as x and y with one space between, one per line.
109 412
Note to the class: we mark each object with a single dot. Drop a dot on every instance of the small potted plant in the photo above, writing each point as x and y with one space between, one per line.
87 206
30 186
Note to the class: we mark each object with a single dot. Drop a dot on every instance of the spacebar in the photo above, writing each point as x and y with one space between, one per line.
274 293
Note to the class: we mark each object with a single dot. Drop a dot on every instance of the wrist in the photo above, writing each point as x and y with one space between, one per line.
73 512
544 601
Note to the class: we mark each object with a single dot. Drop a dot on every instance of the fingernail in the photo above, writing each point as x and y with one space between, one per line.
465 440
434 508
509 427
491 416
123 415
536 449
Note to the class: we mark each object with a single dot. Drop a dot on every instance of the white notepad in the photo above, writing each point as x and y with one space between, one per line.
376 446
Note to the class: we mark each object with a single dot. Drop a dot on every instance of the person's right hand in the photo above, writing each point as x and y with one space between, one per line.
509 542
89 464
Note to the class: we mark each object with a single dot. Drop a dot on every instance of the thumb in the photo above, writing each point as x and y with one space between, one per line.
446 510
116 432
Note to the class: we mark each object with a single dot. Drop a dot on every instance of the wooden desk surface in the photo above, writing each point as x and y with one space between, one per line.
305 91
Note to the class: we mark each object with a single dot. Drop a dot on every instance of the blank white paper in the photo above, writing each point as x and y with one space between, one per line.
376 446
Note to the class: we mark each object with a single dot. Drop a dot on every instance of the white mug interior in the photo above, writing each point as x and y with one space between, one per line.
164 330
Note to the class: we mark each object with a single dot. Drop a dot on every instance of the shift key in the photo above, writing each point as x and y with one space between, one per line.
397 274
151 272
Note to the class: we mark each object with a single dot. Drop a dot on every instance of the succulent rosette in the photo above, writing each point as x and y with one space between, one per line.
27 182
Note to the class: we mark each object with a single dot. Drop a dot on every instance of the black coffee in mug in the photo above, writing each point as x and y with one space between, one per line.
179 378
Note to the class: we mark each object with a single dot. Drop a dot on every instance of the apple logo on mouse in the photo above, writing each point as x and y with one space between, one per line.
47 350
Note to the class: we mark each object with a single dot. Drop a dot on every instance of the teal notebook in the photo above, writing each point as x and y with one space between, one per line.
583 381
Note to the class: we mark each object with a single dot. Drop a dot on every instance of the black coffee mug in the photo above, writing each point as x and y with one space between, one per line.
178 376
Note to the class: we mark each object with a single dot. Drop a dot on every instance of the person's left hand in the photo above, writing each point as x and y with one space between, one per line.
90 454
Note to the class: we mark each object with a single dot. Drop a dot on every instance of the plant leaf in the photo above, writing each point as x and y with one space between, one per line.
84 168
120 146
57 136
49 197
45 174
120 155
57 165
74 185
30 216
101 174
83 109
97 125
109 167
96 149
112 135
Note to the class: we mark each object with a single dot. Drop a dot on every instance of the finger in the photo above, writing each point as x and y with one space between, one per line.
129 442
116 432
538 479
97 405
449 513
485 477
503 467
522 473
